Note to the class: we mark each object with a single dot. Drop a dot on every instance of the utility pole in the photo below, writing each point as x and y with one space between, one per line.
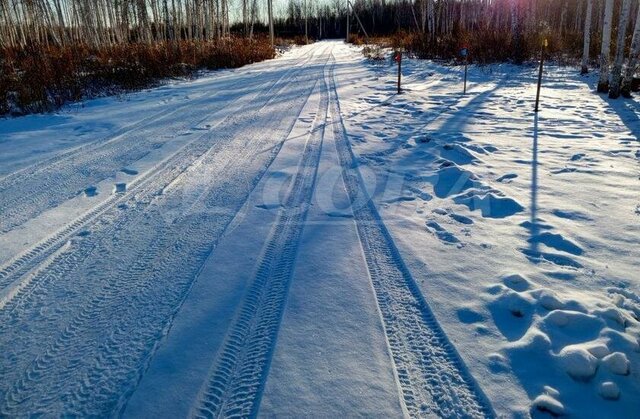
306 21
270 12
348 21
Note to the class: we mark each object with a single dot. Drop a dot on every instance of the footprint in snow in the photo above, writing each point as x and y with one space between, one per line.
571 215
443 235
129 172
565 170
91 191
120 188
507 178
461 219
577 157
558 242
469 316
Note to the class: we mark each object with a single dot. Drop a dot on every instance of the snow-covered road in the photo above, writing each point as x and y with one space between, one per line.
89 297
293 239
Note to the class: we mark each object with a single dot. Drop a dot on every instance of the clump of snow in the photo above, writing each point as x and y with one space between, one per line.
547 404
599 350
549 300
578 362
617 362
585 338
609 390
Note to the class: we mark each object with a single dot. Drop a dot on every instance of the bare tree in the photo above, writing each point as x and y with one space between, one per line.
634 54
587 38
603 83
616 76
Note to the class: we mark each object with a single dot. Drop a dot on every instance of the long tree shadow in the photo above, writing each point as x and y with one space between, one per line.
628 110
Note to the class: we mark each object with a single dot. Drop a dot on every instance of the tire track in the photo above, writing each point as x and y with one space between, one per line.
431 375
62 178
170 169
107 336
243 79
237 378
45 185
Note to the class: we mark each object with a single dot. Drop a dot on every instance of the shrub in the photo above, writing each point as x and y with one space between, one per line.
41 78
486 45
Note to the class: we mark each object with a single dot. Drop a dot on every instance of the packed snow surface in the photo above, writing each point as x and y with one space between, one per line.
295 239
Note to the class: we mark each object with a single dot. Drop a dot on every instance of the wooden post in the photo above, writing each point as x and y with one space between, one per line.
466 64
544 46
399 60
464 52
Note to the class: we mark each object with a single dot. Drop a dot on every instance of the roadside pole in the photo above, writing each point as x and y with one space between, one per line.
542 50
464 52
398 58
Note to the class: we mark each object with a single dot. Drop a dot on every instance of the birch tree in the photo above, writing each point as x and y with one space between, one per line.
605 50
616 76
632 64
587 38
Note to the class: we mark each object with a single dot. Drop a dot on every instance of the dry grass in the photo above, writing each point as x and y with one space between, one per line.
484 46
39 78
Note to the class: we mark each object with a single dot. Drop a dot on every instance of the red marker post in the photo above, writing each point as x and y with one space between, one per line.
398 58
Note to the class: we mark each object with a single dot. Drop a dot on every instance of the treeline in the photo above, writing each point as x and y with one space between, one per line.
98 23
56 51
494 30
585 31
53 51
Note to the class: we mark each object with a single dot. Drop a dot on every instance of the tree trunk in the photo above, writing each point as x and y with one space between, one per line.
603 83
270 12
616 76
587 38
632 65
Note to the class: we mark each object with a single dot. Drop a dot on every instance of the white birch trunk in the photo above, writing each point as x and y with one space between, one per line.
605 50
587 38
616 76
632 65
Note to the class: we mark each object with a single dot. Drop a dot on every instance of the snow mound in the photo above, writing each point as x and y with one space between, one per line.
578 362
609 390
452 180
547 404
583 345
617 362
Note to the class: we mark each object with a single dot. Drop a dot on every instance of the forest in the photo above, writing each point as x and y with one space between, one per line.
55 51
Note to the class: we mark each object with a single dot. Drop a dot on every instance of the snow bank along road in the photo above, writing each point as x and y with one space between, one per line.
293 239
114 299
